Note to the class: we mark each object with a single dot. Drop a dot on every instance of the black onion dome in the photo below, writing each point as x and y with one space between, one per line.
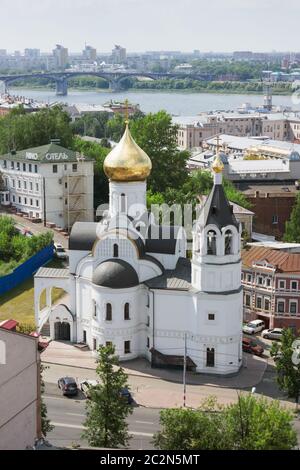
115 274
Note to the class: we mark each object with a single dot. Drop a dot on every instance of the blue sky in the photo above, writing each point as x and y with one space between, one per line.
219 25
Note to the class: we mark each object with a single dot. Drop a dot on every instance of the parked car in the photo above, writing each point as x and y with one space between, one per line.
86 386
68 386
252 347
125 393
59 251
253 327
272 333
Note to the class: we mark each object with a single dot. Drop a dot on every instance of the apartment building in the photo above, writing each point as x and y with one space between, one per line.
49 183
20 422
194 130
271 283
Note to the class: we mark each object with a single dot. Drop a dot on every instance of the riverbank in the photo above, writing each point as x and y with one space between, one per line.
179 102
222 91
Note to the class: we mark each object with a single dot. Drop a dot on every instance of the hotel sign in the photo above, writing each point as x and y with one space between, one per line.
31 156
56 156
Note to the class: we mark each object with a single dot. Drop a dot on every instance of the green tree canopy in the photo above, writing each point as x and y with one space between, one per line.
107 410
292 227
250 424
157 136
287 364
19 130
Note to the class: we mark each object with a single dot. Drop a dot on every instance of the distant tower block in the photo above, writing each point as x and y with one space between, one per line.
268 97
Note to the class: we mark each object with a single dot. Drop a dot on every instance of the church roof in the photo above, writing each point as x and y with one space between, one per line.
83 236
217 210
160 239
115 274
174 279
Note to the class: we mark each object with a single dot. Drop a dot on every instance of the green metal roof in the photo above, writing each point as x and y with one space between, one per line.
50 153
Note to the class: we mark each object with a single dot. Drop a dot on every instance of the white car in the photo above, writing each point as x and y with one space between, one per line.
86 386
272 333
59 251
255 326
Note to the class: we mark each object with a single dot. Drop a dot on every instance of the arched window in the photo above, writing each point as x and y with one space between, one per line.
116 250
126 311
123 203
228 242
108 316
211 243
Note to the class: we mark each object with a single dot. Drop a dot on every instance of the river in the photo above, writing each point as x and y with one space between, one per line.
186 104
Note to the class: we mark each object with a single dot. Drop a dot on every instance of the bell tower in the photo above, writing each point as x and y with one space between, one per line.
216 276
216 262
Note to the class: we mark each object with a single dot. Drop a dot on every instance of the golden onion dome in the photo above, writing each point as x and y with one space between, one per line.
218 165
127 161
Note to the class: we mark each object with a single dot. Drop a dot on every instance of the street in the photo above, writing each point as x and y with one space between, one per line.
68 414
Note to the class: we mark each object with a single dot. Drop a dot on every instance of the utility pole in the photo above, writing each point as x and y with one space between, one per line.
184 373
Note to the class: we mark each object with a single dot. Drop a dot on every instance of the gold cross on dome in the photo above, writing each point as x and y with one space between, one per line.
218 140
126 102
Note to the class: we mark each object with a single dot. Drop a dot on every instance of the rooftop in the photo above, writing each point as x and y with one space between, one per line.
53 273
50 153
174 279
283 261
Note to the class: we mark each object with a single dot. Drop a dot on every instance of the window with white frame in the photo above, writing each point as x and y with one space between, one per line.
268 282
260 280
258 302
247 300
294 285
293 307
281 284
267 304
280 306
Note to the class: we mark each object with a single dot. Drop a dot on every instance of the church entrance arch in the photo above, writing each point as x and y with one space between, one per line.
62 331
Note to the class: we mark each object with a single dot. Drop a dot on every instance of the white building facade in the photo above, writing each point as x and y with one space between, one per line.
49 183
131 284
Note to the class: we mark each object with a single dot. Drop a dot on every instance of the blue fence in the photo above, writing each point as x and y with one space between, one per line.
25 270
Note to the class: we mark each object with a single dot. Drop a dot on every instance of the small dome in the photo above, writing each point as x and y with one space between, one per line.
218 165
115 274
127 161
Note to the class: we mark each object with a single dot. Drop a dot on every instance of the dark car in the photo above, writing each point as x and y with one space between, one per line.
252 347
125 393
68 386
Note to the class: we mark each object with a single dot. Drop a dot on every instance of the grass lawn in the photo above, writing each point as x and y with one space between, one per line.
18 303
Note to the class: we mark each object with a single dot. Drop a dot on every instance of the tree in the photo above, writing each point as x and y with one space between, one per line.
107 410
287 364
157 136
292 227
250 424
259 424
19 130
46 424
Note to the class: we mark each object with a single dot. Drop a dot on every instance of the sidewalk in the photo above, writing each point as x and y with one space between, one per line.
155 388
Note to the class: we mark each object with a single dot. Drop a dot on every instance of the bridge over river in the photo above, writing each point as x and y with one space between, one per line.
115 79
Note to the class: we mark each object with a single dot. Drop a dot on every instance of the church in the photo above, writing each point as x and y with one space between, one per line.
130 282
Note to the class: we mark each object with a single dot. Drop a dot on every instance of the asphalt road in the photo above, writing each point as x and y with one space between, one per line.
68 415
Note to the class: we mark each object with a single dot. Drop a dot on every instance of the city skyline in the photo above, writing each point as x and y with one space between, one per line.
140 25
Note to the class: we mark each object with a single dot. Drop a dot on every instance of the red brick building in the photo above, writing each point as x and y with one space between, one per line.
271 281
272 205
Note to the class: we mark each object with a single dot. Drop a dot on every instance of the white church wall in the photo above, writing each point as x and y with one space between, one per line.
75 256
117 330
